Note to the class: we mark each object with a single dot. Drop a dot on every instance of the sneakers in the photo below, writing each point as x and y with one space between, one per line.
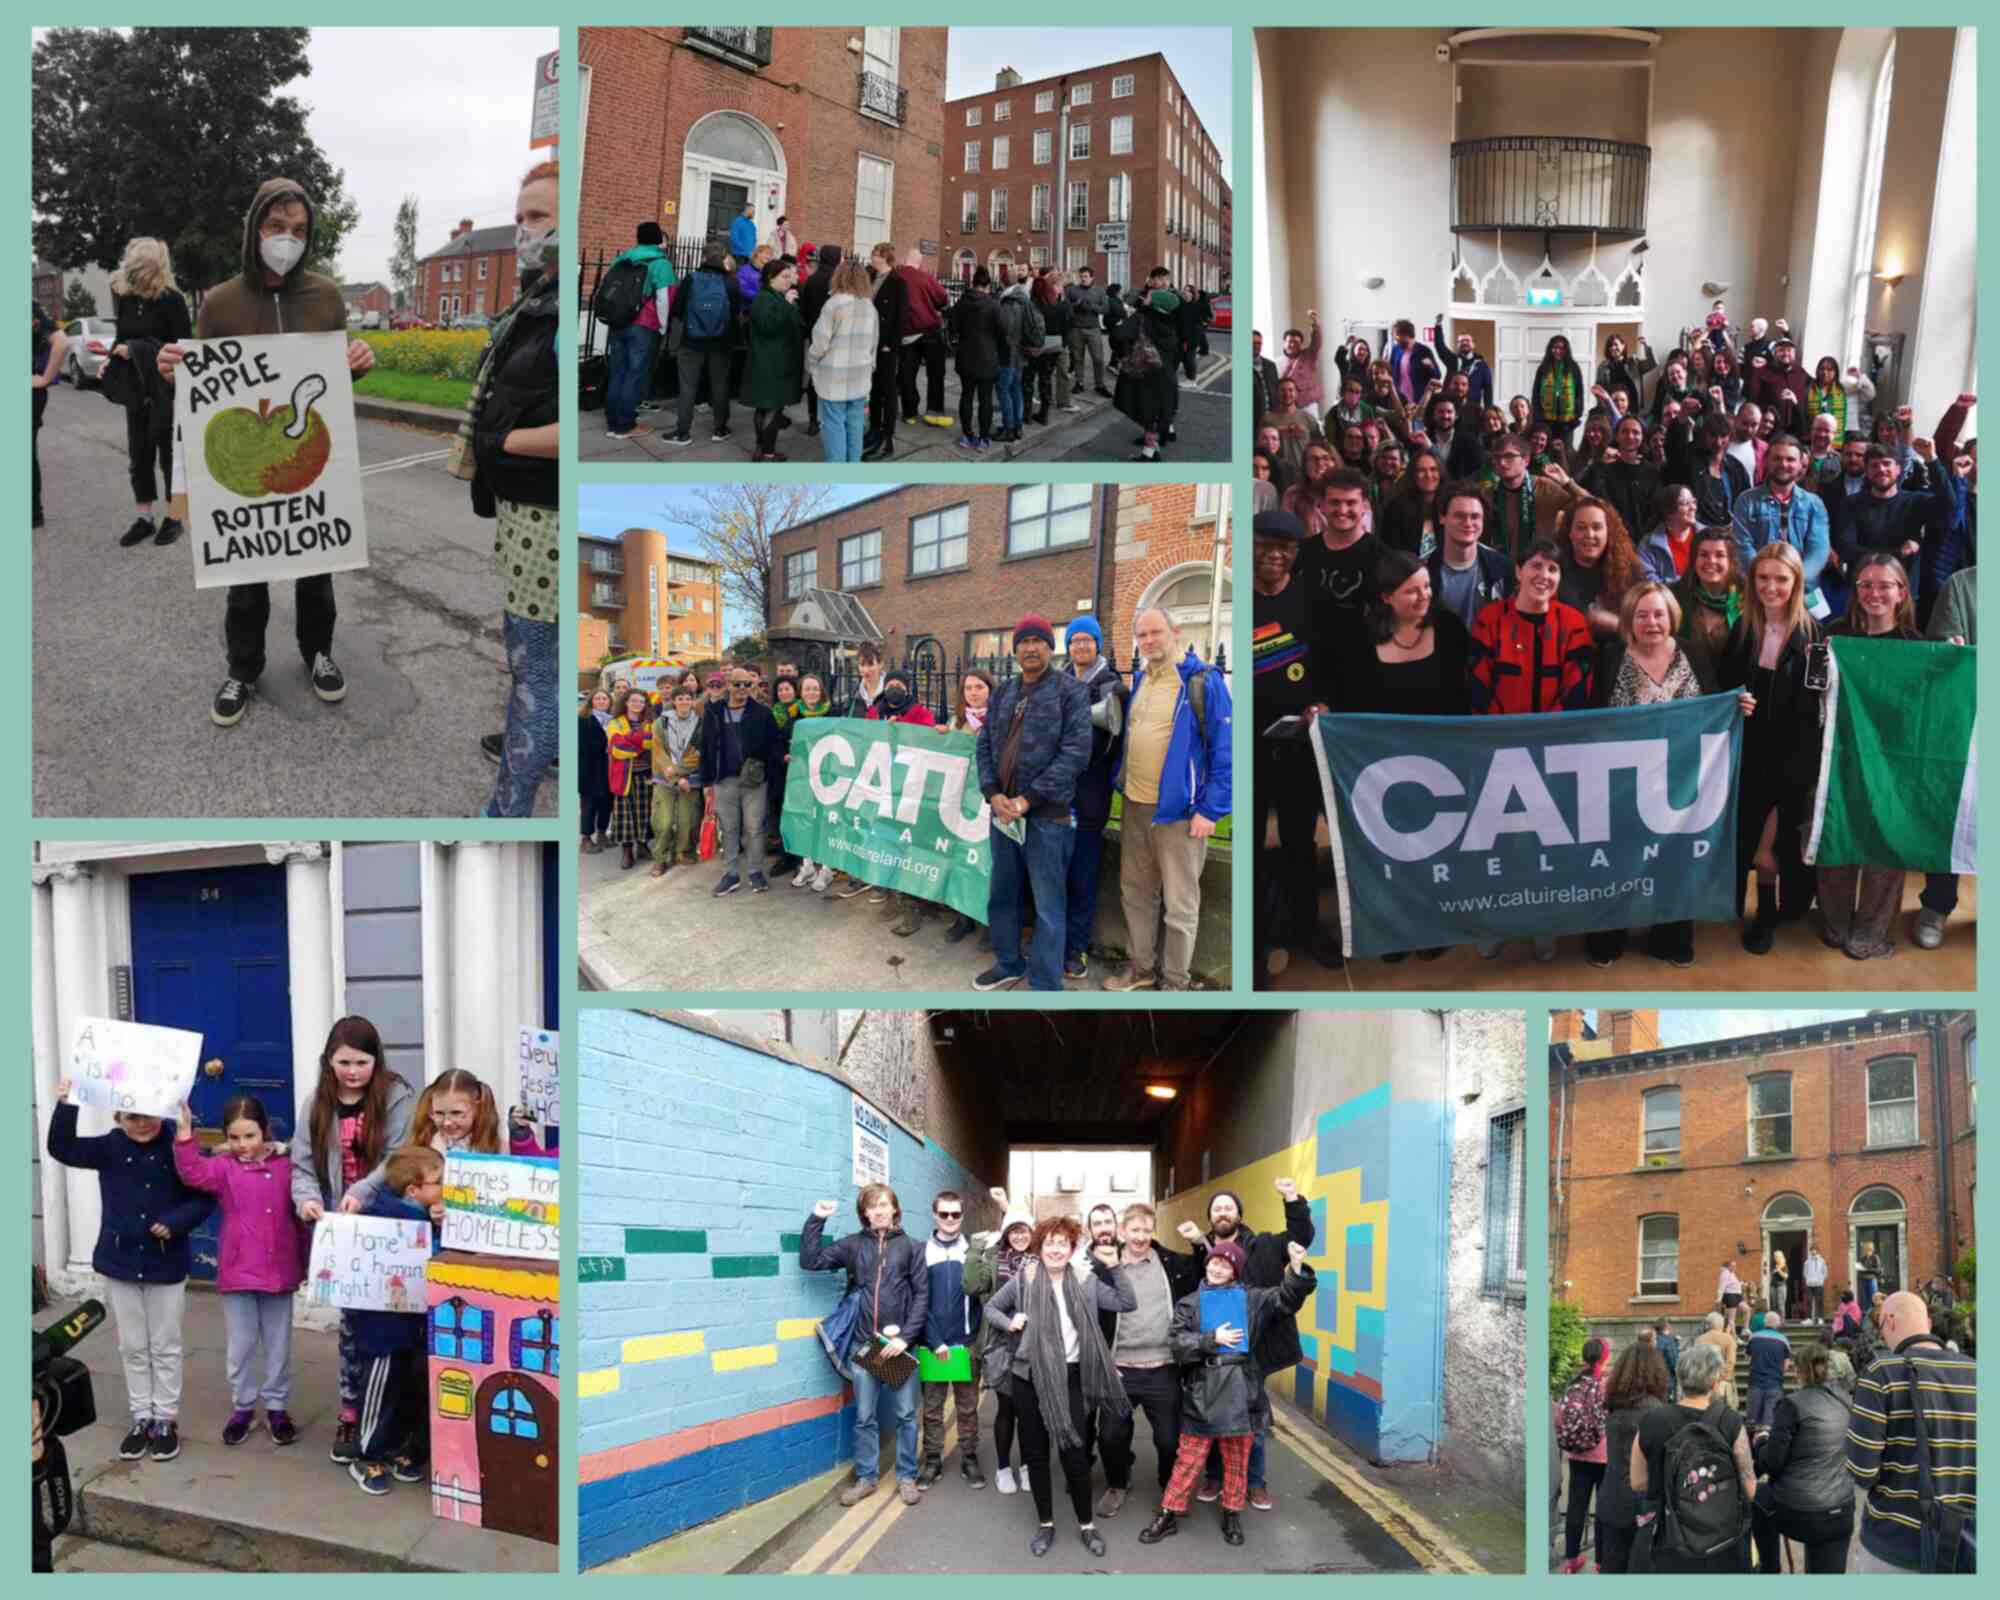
1126 979
237 1428
166 1441
984 447
327 681
729 885
1929 932
408 1469
878 896
493 746
283 1429
997 977
937 419
1209 1492
857 1491
909 920
822 880
1003 1480
680 438
758 883
1260 1499
170 530
907 1491
851 888
929 1473
346 1441
133 1446
1075 966
968 444
1111 1502
140 531
960 927
231 701
968 1469
370 1477
720 436
805 875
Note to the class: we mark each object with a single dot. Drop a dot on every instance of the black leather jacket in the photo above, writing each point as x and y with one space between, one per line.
523 394
1805 1453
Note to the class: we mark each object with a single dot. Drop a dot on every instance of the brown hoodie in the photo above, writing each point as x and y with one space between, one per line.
305 302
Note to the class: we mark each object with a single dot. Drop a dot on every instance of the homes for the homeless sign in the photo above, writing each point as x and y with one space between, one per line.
364 1263
1449 830
502 1205
891 804
132 1067
269 458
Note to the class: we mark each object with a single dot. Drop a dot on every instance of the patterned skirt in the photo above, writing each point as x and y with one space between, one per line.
632 811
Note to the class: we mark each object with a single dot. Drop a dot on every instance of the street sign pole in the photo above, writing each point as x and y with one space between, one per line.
1059 201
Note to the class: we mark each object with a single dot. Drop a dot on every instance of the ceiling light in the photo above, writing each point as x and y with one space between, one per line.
1162 1091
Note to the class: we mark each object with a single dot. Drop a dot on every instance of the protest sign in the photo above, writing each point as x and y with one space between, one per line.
890 804
265 430
537 1057
132 1067
871 1144
1453 830
369 1263
502 1205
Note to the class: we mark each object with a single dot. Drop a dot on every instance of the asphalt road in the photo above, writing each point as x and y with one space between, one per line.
1204 424
123 636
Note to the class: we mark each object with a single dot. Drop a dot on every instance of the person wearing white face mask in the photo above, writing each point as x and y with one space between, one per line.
275 293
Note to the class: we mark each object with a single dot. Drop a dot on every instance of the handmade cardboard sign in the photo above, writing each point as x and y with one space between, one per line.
502 1205
539 1054
370 1263
265 429
132 1067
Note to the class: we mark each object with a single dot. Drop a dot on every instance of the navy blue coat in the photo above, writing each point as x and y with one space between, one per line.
137 1186
1055 743
889 1271
385 1333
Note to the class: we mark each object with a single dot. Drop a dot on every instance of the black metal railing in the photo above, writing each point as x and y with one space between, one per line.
750 45
1550 184
883 97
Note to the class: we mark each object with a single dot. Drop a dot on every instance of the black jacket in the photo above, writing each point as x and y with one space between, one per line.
522 394
1784 729
759 735
1631 486
137 1186
1862 523
142 327
888 1269
1263 387
1093 788
818 285
892 309
1276 1345
976 335
593 758
1805 1453
1223 1393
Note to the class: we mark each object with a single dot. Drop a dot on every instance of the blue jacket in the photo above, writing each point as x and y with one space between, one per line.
1198 765
742 238
137 1186
386 1333
1055 743
953 1315
1758 523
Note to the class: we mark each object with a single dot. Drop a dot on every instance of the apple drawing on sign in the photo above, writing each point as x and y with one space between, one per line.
270 450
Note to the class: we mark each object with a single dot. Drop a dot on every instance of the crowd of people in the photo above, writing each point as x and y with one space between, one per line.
1871 1423
368 1144
1052 748
1673 529
766 323
1073 1326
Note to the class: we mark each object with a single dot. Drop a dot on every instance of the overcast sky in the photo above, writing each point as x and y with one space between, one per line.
1199 56
1698 1027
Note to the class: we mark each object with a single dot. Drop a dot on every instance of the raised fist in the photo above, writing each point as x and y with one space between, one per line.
1105 1255
1924 448
825 1208
998 1197
1296 1251
1967 400
1756 361
1190 1231
1288 1191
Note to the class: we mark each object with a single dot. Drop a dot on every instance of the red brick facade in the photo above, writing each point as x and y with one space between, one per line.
1172 173
367 297
473 275
970 608
1165 533
1605 1180
645 88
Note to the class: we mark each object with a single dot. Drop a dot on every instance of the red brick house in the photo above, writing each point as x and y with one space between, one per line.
838 129
363 298
474 274
1670 1160
1164 547
1137 166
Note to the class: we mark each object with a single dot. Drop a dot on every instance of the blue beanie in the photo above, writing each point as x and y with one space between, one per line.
1087 625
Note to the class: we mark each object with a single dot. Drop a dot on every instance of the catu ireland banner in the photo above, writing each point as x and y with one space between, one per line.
1456 830
892 804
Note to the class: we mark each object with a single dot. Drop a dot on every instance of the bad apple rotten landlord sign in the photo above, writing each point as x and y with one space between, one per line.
267 449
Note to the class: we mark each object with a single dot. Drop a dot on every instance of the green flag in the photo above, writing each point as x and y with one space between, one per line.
1899 769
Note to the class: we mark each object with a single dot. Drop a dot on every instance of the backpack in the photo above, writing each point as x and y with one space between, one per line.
707 306
621 294
1580 1415
1703 1511
1034 327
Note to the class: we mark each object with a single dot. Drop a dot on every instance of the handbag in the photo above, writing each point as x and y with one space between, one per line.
892 1372
707 847
1142 356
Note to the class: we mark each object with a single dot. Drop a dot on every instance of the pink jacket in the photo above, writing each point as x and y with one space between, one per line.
261 1238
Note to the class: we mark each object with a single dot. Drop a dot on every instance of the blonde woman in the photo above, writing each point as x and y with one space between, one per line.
841 360
150 312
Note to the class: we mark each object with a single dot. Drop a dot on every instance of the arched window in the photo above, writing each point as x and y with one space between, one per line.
513 1414
1788 1208
1861 277
730 136
968 263
1186 593
1875 1200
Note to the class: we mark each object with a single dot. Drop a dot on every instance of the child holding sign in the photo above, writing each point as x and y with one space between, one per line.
261 1263
456 1111
147 1214
360 1111
395 1422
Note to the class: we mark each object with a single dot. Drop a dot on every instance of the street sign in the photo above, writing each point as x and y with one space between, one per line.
546 121
1112 237
927 246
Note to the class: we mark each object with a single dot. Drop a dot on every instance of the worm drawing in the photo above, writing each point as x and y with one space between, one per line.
309 389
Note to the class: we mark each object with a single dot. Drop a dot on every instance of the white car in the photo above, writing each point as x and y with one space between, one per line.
90 342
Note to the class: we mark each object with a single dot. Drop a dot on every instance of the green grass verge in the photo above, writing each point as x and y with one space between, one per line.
419 388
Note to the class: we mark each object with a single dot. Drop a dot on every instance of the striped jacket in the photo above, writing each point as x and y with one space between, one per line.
842 358
1882 1446
1519 665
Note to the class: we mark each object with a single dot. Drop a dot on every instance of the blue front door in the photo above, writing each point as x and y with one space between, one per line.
209 955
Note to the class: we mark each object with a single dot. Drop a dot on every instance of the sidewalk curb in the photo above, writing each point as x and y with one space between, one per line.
433 419
1410 1528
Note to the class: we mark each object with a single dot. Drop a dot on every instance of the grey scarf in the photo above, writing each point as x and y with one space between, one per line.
1042 1342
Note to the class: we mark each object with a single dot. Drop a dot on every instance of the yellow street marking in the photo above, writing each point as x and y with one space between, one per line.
660 1346
754 1355
857 1520
1437 1550
603 1381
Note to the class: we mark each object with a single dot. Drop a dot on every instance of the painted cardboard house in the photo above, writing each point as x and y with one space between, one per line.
495 1375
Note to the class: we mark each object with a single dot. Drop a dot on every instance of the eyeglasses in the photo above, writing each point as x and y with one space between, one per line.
949 1216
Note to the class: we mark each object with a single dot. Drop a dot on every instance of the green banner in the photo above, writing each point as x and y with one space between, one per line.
891 804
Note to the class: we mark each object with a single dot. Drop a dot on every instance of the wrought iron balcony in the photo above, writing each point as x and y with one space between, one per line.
1550 184
746 46
881 97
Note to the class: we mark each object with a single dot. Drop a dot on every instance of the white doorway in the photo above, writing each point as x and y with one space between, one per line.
730 160
874 203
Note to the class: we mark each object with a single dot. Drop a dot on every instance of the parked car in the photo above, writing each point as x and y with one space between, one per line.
372 319
472 319
90 342
404 320
1219 308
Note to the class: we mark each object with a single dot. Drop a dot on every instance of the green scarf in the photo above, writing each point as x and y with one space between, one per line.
1556 392
1729 603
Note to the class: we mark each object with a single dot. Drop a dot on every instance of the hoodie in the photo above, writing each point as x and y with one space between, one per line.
247 304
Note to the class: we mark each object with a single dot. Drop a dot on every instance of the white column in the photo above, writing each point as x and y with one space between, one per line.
309 935
478 961
81 990
1943 356
48 1057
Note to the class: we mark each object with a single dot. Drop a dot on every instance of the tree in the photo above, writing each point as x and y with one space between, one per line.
403 261
734 524
78 301
167 133
749 646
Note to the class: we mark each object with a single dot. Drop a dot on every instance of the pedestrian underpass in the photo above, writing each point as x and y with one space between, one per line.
714 1435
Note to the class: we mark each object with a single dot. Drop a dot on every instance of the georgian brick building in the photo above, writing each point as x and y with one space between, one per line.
1164 553
1136 161
475 274
838 129
1668 1161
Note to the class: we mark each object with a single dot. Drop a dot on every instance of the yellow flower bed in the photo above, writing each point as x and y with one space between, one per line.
431 352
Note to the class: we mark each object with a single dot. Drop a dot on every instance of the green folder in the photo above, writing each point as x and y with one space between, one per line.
956 1367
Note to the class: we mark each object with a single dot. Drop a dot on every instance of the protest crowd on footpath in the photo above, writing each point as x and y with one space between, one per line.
1721 518
698 771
